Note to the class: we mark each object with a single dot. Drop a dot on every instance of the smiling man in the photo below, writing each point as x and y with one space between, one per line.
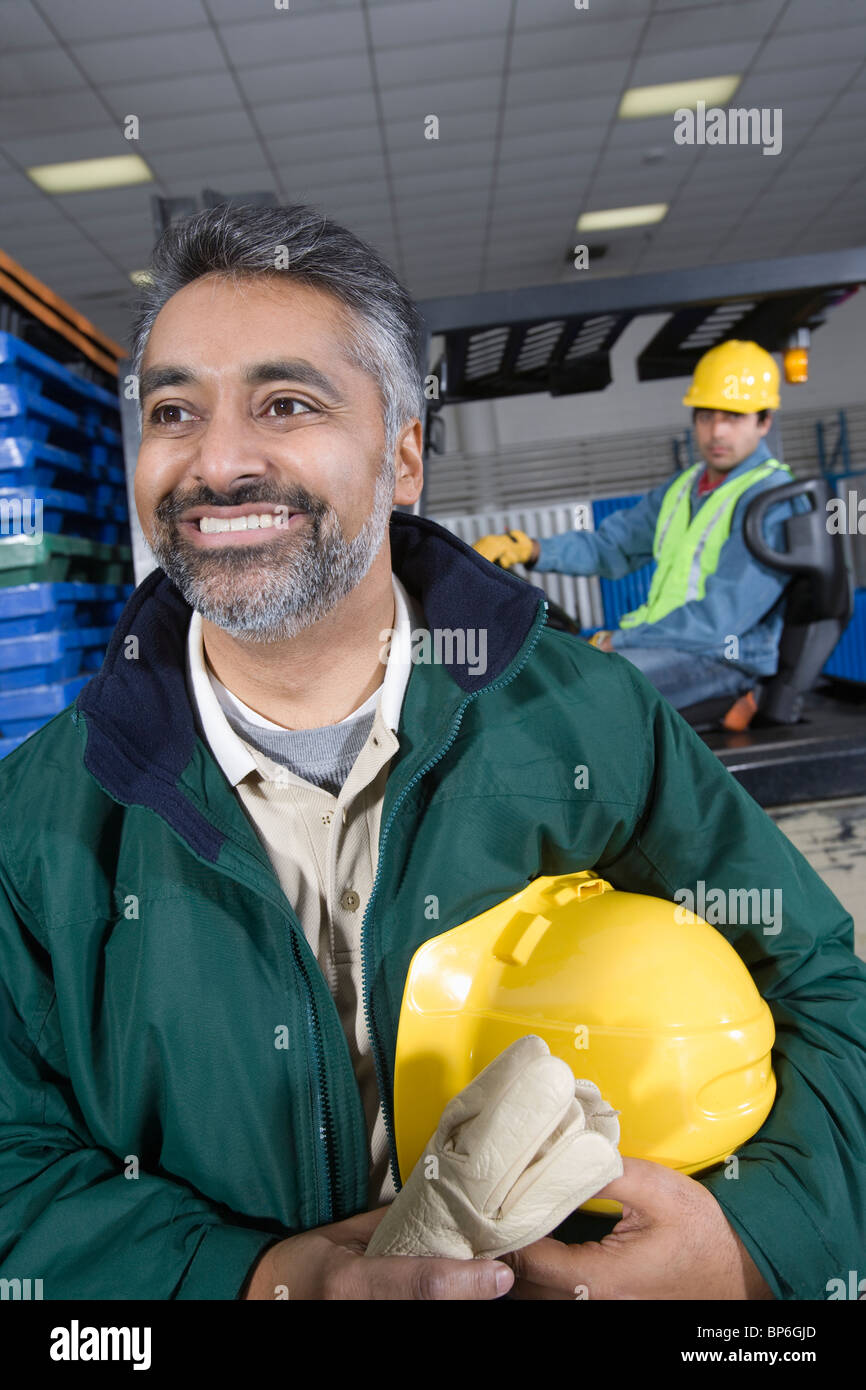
216 866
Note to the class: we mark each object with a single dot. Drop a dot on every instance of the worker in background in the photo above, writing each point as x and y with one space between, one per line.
714 614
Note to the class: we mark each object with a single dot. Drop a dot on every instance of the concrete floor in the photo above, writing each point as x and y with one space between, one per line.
832 836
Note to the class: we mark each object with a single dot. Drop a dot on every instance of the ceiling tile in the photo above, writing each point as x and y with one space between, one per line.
85 20
687 28
472 125
532 14
603 78
291 82
250 179
151 55
64 143
120 201
709 59
323 145
445 182
436 62
22 26
183 162
402 25
575 43
447 100
559 116
35 73
192 94
800 50
190 131
21 117
289 36
226 11
321 113
434 159
829 14
792 88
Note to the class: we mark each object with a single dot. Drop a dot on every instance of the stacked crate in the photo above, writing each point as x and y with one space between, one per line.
61 591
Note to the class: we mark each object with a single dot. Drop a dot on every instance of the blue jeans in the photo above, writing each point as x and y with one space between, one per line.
684 678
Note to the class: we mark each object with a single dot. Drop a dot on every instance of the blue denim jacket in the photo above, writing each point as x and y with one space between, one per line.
744 598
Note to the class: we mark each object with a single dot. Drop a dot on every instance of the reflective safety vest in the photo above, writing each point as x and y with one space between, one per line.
687 549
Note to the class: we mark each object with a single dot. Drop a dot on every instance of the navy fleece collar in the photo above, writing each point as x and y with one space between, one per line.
141 730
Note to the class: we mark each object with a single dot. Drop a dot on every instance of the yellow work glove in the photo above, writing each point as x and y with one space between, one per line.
598 638
513 548
516 1151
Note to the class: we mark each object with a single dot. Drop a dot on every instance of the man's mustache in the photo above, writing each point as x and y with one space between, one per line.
170 509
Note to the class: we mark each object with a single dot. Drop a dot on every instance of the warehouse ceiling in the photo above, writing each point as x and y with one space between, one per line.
325 102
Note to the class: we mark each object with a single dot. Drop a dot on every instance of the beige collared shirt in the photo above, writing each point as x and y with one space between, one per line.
324 848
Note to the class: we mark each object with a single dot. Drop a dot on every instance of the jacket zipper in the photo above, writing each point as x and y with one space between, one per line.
541 620
324 1114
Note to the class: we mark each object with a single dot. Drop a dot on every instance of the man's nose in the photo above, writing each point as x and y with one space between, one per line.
228 450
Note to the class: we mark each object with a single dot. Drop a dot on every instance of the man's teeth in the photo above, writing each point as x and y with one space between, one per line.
210 525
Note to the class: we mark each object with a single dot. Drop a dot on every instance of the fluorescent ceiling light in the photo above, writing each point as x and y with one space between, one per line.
665 97
610 218
86 175
141 277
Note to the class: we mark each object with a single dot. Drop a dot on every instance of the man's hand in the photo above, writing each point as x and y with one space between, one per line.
601 640
511 548
329 1263
673 1242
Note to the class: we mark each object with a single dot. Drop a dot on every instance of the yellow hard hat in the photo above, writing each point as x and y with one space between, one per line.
635 993
735 376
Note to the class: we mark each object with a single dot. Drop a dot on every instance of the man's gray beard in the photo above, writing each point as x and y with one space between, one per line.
286 585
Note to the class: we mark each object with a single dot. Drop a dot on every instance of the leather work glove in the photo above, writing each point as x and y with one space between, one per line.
515 1152
513 548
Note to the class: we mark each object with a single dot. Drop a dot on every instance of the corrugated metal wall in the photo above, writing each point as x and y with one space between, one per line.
579 597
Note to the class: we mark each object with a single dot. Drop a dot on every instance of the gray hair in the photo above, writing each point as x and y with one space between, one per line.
385 328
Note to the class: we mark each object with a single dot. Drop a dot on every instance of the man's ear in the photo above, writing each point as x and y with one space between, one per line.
409 465
764 425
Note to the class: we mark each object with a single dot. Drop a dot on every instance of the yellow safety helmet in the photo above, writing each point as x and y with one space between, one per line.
736 376
635 993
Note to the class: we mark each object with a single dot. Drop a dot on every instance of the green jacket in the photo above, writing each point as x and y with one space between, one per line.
154 1138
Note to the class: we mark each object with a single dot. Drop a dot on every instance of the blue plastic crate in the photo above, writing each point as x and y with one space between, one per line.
28 415
620 596
848 658
32 461
70 514
62 668
44 647
24 711
37 374
22 600
29 609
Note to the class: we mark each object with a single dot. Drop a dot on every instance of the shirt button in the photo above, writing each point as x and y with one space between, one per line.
350 900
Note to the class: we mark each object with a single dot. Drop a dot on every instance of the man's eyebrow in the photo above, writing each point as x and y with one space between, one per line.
155 378
291 369
277 369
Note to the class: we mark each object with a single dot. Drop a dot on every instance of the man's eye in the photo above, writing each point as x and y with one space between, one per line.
281 405
169 415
